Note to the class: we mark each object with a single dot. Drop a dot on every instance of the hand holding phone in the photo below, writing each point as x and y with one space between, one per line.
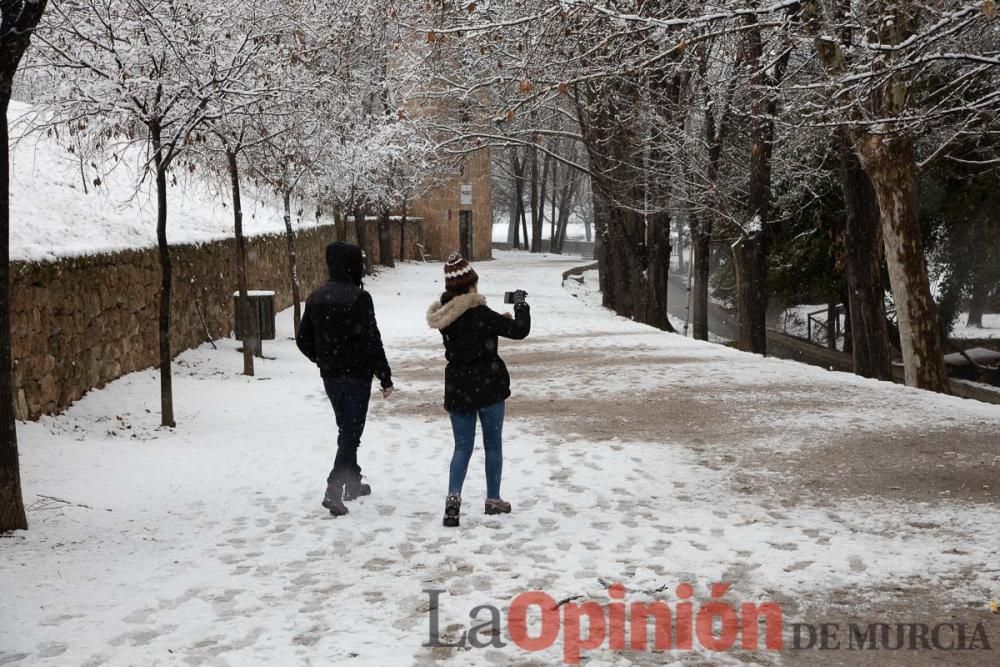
515 297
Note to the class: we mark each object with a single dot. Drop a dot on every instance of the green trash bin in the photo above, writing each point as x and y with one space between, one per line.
261 312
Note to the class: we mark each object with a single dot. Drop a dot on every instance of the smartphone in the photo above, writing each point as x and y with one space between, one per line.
517 296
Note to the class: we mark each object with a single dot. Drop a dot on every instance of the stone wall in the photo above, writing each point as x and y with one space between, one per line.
79 323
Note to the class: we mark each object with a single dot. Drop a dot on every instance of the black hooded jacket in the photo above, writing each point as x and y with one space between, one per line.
338 331
476 376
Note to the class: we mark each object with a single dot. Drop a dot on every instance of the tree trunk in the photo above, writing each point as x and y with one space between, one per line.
750 257
602 215
361 231
524 225
750 250
17 23
890 162
245 315
618 295
567 193
870 347
166 279
891 165
516 201
385 257
12 514
701 249
553 223
402 235
680 247
536 215
831 325
512 221
340 223
848 336
562 226
293 262
657 271
977 302
553 169
701 226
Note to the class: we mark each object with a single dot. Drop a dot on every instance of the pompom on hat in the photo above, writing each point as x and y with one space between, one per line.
459 274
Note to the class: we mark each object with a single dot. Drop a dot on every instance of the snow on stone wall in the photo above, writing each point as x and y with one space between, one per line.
80 322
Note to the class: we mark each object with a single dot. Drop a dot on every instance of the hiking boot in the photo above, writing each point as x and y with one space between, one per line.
353 490
333 499
497 506
452 507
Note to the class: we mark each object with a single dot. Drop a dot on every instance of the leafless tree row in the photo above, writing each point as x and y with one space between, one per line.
307 99
699 110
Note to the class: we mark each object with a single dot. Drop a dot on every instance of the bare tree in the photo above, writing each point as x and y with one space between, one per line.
18 20
152 95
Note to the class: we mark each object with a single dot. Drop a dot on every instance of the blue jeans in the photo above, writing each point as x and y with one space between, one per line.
463 426
349 398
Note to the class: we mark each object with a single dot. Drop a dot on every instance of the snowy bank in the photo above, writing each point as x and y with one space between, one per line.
52 216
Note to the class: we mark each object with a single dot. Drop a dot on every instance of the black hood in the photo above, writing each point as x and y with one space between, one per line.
345 262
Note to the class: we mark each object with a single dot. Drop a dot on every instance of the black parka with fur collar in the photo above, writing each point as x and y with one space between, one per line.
476 376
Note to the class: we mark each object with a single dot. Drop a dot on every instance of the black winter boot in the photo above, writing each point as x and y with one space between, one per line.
452 507
333 500
497 506
353 490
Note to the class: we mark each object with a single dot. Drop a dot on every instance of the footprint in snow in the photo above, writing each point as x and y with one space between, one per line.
51 649
139 616
141 637
56 620
798 565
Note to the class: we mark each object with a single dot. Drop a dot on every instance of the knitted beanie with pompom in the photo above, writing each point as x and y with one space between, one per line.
459 274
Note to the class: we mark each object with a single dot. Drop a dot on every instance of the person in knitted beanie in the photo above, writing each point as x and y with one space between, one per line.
459 276
476 381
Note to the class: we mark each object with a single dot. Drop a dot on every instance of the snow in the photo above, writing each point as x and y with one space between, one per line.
990 329
256 292
587 288
575 229
206 544
794 321
52 217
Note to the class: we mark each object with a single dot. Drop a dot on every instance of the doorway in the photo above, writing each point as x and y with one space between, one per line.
465 234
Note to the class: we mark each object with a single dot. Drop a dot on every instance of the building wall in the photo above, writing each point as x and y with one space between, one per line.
82 322
440 208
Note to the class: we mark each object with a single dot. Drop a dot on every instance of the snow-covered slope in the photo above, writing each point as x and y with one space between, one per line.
52 216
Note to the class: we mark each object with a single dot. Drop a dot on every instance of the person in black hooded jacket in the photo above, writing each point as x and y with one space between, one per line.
338 333
476 381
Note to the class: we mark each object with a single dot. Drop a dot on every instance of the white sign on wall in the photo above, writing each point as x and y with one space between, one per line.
466 194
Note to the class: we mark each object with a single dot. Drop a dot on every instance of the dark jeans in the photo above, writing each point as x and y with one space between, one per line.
349 397
463 426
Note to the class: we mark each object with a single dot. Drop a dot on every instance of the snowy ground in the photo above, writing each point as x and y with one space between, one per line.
587 288
52 216
794 321
990 328
575 230
632 456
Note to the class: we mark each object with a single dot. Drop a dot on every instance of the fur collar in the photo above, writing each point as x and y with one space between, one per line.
441 316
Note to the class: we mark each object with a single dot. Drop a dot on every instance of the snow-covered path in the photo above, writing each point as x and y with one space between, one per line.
632 456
